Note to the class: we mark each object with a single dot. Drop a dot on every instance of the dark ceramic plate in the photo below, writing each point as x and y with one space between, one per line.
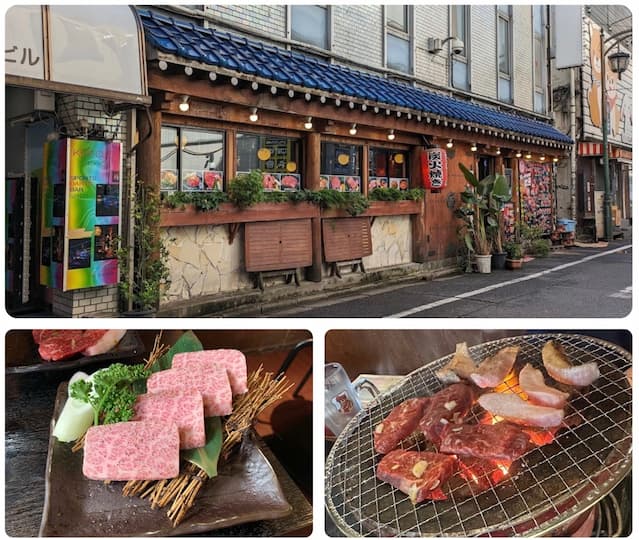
245 490
22 354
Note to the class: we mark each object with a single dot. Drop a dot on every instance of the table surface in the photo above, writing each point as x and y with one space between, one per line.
30 400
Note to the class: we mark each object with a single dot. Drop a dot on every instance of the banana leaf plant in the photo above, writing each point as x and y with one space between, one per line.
481 210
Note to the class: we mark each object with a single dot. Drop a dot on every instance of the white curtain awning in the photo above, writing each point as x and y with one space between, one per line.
95 50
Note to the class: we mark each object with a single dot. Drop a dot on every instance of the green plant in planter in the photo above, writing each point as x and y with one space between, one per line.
514 250
144 270
540 247
353 203
246 189
473 211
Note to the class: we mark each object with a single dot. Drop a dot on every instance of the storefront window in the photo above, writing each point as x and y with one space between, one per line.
341 167
279 159
191 159
387 168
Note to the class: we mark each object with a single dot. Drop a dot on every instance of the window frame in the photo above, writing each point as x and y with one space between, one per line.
329 25
179 128
505 16
376 147
407 35
300 165
361 154
464 57
539 80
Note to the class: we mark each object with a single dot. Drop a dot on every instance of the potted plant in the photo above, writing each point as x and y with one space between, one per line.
144 270
514 255
475 211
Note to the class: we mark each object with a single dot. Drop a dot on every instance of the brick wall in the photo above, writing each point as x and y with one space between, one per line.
358 33
267 18
71 111
522 57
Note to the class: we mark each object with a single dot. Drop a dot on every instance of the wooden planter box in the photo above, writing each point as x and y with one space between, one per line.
380 208
229 213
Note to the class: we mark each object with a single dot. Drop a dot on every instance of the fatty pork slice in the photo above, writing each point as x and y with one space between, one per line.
461 366
499 441
514 409
132 451
398 425
493 370
419 475
184 408
232 360
532 382
213 384
559 367
107 342
448 406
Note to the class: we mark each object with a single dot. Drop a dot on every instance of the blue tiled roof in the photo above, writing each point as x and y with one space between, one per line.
236 53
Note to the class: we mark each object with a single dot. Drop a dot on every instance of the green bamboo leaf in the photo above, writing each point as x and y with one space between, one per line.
187 342
207 457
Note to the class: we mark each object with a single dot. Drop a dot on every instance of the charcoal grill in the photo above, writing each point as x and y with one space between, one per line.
550 485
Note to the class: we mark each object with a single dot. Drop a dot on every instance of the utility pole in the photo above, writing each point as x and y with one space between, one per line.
607 201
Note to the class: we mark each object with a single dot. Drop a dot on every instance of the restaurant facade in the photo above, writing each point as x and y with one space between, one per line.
225 100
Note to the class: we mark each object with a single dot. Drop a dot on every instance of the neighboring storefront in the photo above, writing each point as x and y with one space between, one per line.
74 75
224 105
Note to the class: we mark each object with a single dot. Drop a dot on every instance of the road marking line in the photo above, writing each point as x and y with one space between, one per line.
488 288
626 293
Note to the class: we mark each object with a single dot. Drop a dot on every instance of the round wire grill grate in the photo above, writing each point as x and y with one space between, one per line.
548 486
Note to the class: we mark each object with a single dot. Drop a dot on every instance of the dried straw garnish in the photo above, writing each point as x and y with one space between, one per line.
181 491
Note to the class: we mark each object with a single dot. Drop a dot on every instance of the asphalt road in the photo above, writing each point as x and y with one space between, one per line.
576 282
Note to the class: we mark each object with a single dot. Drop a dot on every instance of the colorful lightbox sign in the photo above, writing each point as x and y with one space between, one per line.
81 213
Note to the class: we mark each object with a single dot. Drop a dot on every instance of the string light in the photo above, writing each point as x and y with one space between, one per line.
449 144
518 154
498 151
309 123
555 159
253 116
391 135
353 130
473 147
528 155
542 158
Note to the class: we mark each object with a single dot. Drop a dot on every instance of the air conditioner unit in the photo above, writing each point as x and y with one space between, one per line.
44 100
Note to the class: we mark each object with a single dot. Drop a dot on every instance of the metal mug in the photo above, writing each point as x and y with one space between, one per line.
341 397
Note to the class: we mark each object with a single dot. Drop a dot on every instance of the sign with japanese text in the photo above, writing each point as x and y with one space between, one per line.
24 42
434 168
80 214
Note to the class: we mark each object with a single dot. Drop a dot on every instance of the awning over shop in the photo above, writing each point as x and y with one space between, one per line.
234 55
586 149
91 49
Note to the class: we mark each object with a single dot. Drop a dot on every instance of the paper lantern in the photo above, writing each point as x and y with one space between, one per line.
434 163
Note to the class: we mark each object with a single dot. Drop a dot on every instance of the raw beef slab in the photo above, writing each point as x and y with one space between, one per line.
398 425
213 384
492 441
60 344
132 451
419 475
181 407
232 360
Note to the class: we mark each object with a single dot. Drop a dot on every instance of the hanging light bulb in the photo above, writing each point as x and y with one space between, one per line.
253 116
518 154
184 104
555 159
498 151
353 130
528 155
449 144
309 123
542 158
473 147
391 135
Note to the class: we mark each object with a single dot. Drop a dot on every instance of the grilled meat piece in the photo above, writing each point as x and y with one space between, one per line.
419 475
559 367
532 382
460 366
501 441
514 409
494 369
398 425
448 406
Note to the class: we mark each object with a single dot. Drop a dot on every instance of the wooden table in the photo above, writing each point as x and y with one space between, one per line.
29 407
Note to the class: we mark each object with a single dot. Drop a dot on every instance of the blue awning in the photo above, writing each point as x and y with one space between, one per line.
253 58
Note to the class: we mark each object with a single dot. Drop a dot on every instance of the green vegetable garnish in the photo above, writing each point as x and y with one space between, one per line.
112 392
